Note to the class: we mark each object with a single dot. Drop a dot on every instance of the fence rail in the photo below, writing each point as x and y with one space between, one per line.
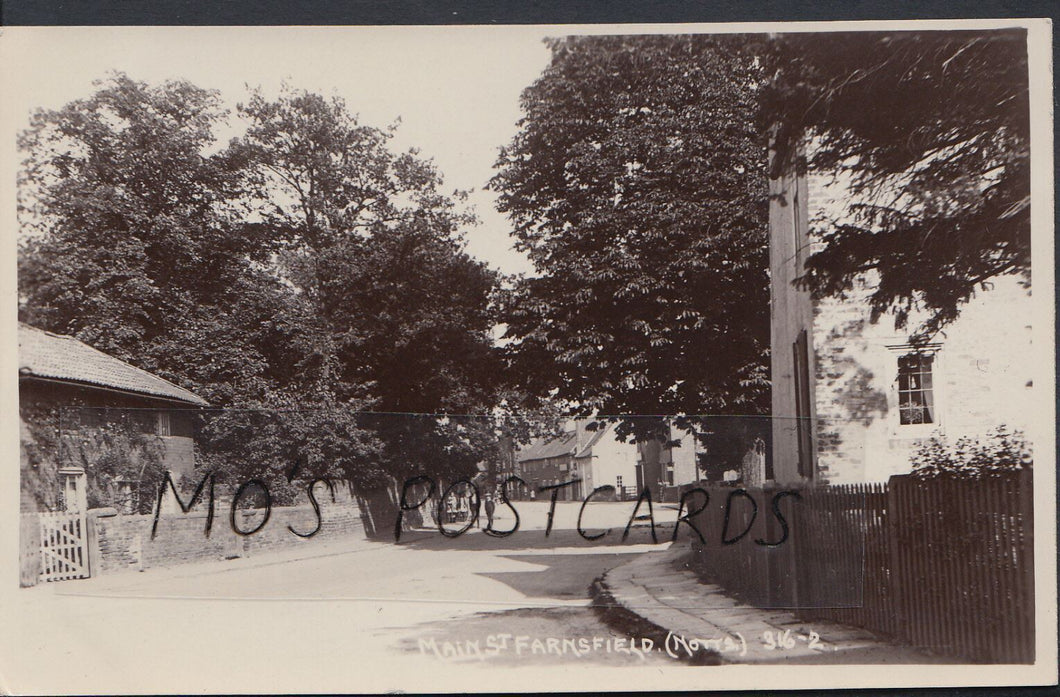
945 565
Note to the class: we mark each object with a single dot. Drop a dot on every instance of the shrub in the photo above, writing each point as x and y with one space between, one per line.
1001 451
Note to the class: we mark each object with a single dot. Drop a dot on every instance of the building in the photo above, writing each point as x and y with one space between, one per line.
66 389
852 400
664 465
595 456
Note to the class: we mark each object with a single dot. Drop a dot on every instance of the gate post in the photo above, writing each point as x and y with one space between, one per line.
29 550
75 500
92 556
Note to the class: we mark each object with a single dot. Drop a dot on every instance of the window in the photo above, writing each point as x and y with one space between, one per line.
618 483
916 394
164 427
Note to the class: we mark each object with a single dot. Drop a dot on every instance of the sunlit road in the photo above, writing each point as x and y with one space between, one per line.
353 608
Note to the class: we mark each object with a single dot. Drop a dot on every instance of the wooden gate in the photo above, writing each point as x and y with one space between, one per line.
63 546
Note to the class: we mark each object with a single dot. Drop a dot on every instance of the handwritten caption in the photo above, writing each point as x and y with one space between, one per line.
675 646
693 502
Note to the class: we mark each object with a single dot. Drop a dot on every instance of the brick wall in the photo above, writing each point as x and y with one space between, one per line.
124 541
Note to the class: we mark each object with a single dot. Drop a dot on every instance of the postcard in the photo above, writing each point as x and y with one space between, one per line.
528 358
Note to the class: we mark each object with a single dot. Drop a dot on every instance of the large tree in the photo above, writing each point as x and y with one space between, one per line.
930 131
135 242
637 185
376 249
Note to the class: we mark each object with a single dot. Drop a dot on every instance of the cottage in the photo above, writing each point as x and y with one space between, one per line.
852 400
66 389
595 457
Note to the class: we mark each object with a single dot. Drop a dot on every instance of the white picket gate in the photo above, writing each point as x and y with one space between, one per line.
63 546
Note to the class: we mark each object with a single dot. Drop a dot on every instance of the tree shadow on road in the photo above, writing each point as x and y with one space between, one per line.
563 577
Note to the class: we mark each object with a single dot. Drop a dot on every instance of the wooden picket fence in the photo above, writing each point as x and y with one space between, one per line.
63 546
946 565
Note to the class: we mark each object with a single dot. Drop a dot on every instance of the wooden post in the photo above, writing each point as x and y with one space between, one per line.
92 543
29 550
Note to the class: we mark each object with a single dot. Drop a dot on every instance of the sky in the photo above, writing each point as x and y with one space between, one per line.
456 90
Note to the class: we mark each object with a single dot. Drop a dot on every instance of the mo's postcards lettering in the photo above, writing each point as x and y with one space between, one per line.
693 502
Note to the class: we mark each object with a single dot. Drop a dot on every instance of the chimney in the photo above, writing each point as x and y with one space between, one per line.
583 433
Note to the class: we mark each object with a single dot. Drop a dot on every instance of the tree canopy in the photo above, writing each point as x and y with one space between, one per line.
138 247
395 303
306 266
931 132
301 275
637 185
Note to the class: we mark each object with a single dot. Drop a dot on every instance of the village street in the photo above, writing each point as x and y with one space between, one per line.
348 603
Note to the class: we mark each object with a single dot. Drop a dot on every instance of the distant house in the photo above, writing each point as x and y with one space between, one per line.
595 457
67 387
852 400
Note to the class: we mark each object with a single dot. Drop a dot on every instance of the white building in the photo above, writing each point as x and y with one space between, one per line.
594 457
852 400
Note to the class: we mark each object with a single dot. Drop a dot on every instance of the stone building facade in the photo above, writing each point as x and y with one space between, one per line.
853 399
594 457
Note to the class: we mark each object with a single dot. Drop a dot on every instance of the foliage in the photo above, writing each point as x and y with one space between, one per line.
110 445
136 243
376 252
637 186
39 463
930 131
307 269
114 452
1001 451
286 449
355 292
297 276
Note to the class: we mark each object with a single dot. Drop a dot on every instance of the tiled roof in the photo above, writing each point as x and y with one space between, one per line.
544 448
558 446
46 355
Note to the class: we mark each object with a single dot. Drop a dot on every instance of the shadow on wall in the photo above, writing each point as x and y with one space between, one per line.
853 396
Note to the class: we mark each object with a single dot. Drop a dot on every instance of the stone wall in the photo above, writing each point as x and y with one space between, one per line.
123 542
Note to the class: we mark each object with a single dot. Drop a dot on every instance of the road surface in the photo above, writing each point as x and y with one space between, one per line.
364 616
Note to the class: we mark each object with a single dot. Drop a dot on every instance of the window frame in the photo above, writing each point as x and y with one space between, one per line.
936 401
163 423
917 396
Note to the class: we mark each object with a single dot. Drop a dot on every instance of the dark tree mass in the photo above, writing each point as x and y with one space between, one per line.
300 276
931 129
637 185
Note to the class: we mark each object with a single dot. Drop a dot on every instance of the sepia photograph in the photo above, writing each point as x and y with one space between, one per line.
520 358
